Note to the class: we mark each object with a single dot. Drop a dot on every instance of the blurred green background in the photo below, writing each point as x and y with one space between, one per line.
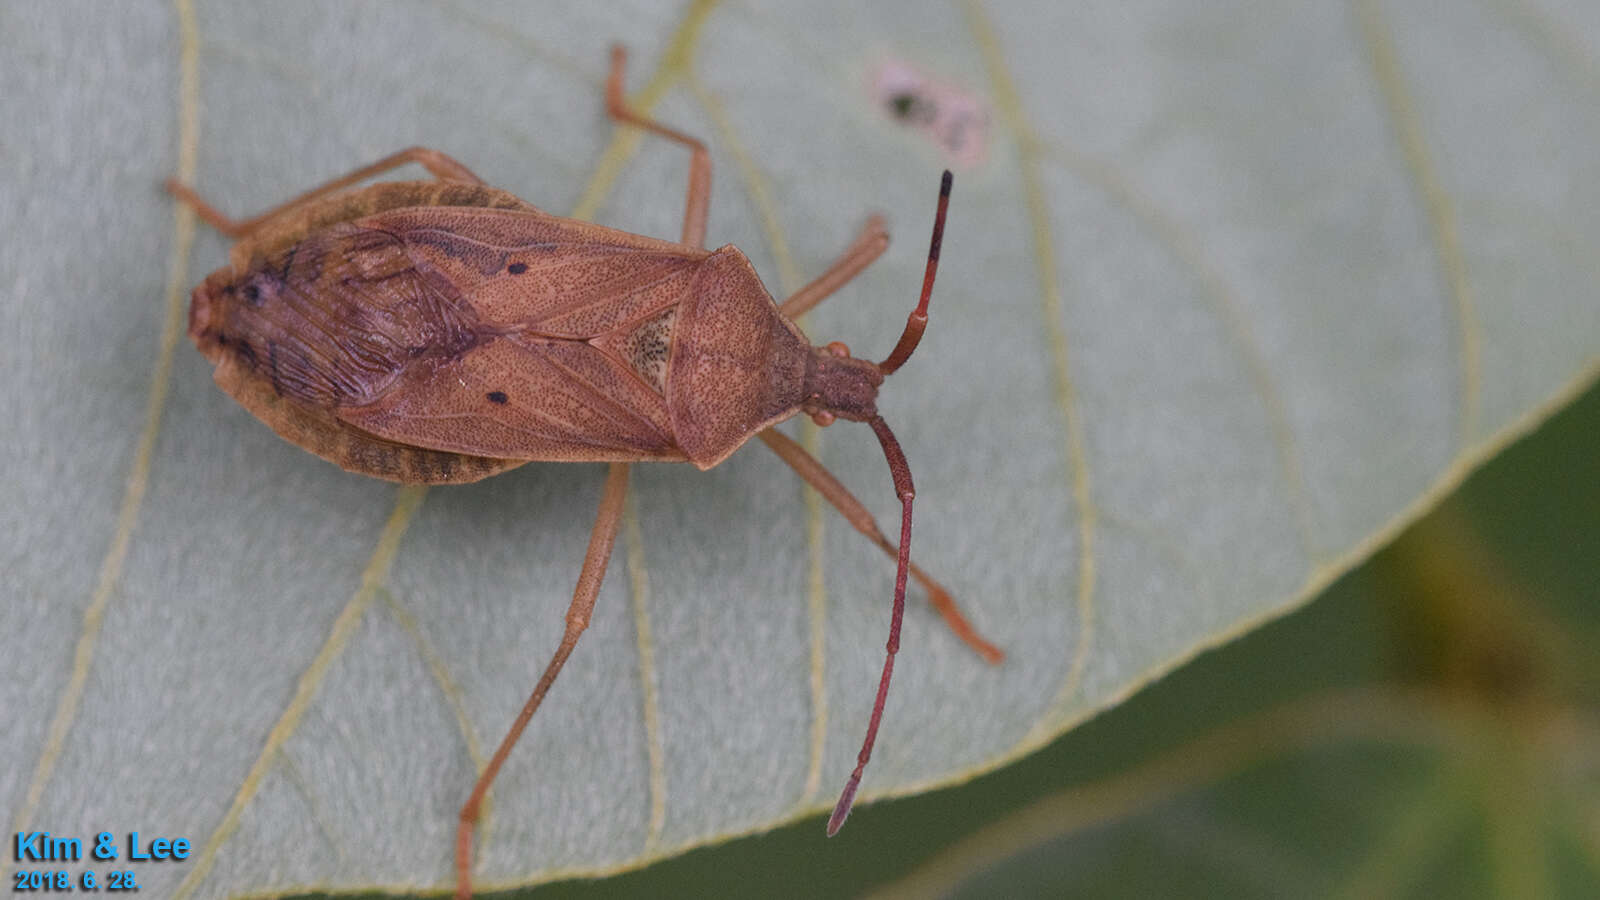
1429 727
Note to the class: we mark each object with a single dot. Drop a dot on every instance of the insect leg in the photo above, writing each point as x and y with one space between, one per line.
834 491
863 251
442 167
694 215
601 540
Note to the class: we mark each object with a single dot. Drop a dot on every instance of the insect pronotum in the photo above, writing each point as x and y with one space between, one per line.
437 332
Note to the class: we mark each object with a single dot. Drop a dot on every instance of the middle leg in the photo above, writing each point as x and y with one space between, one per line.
601 540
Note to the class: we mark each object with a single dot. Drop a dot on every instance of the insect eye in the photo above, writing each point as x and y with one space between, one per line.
251 294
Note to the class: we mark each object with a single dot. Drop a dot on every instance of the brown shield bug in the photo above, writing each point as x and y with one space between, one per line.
438 332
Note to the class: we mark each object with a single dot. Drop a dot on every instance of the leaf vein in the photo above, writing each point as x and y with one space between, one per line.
111 565
297 778
1226 306
448 689
810 438
639 581
405 509
1029 150
1385 61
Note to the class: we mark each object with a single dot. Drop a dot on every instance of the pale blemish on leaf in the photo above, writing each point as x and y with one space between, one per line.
953 118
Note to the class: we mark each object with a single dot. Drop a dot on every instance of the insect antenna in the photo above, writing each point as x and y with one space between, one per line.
916 323
901 473
918 320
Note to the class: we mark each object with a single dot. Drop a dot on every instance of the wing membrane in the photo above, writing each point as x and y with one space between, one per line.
519 399
551 276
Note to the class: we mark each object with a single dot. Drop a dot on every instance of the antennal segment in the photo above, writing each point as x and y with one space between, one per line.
901 472
918 320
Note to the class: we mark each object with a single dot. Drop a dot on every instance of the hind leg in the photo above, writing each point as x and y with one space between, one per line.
443 167
601 540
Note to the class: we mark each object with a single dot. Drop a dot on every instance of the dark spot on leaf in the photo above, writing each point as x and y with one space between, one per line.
914 108
498 396
517 268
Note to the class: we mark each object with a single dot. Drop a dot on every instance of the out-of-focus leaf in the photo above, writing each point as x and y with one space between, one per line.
1358 794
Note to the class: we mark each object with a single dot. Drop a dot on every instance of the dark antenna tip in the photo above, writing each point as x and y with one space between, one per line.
841 810
918 320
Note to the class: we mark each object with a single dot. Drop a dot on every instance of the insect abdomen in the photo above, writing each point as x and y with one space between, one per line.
336 318
279 233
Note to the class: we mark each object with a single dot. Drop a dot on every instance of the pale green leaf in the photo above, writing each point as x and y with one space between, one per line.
1238 289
